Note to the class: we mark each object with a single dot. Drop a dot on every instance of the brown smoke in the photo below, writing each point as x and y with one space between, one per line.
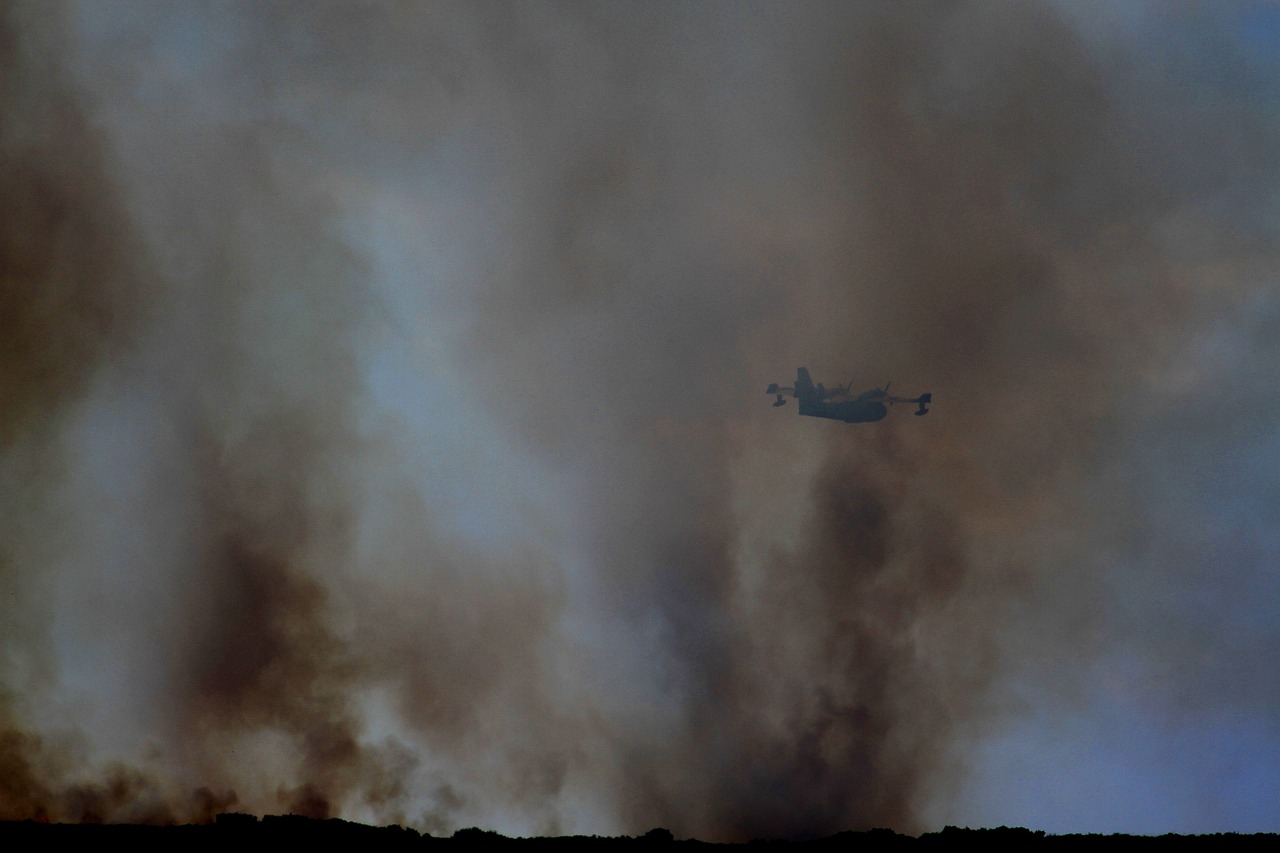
69 259
68 269
381 416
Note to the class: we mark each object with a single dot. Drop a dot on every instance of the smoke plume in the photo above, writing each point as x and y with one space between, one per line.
382 431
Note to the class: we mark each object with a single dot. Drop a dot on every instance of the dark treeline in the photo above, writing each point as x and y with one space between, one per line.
231 830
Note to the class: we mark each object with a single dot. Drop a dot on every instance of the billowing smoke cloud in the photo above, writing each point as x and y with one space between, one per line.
384 437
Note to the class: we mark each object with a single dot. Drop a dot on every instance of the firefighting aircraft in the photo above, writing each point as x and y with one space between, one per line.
839 402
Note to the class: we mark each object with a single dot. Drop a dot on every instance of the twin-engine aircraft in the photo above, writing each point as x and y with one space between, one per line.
839 403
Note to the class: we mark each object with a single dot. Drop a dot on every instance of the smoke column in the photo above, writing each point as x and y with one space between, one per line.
382 431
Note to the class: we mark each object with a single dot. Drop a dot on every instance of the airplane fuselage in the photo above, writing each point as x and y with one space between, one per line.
849 411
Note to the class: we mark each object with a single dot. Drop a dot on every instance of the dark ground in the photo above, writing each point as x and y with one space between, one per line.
234 830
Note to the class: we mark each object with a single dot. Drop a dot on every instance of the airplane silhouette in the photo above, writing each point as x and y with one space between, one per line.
839 403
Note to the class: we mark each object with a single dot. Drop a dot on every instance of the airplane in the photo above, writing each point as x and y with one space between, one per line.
839 403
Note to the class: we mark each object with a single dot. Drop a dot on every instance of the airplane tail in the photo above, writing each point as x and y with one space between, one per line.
805 390
925 400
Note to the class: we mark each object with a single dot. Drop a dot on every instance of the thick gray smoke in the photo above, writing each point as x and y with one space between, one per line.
383 427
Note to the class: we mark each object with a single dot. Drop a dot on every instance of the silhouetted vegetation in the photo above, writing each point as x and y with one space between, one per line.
233 830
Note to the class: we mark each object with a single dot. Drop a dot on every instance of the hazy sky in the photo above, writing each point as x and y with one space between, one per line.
382 426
